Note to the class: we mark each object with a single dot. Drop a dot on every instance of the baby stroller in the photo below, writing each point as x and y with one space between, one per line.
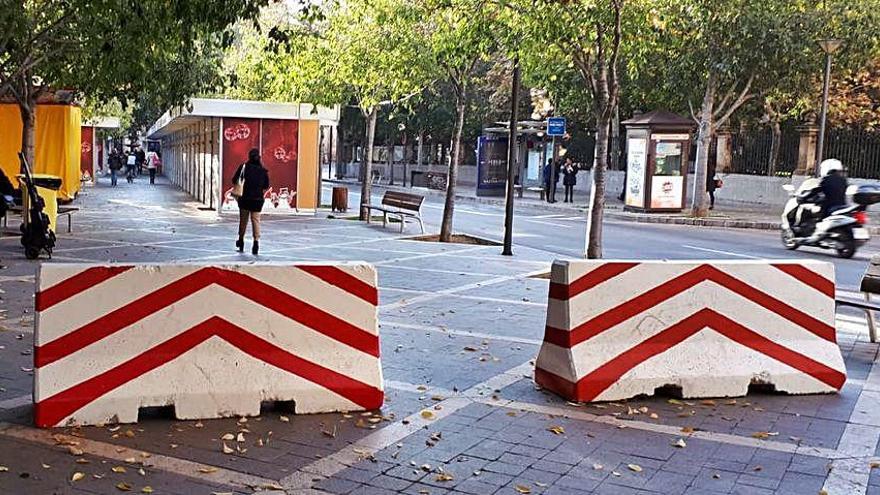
36 236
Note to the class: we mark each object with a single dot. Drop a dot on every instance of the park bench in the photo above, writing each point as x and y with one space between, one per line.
870 286
62 210
399 204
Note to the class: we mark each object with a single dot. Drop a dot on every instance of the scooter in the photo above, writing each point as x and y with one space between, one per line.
843 230
36 236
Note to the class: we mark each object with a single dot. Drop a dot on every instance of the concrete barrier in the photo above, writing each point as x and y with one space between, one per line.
213 341
616 330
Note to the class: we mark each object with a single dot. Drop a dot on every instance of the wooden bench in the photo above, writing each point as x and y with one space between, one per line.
402 205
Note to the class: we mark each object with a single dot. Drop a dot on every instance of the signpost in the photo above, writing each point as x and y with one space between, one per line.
555 127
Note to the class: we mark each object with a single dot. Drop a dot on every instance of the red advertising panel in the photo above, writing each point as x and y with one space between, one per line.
280 145
239 137
86 162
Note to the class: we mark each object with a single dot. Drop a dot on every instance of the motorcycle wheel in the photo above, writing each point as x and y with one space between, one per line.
846 245
788 239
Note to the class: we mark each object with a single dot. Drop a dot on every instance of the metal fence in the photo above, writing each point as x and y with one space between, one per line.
752 152
859 150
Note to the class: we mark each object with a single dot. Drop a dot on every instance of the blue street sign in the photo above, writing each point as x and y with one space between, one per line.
556 126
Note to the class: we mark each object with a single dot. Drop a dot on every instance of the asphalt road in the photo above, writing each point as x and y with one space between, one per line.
562 232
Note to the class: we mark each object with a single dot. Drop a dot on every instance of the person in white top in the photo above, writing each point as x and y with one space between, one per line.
153 162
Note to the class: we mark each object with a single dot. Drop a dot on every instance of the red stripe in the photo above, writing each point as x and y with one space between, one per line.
672 288
593 384
238 283
593 278
51 411
343 280
72 286
808 277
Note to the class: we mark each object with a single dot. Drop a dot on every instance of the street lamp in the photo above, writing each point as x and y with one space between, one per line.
829 46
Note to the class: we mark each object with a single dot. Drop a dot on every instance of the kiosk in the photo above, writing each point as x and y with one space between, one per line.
657 148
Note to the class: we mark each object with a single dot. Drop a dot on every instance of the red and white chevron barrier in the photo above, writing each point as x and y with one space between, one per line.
616 330
213 341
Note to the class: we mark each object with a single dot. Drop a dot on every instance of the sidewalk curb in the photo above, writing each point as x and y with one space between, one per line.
615 213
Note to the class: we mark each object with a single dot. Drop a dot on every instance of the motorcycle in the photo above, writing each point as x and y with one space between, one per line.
842 230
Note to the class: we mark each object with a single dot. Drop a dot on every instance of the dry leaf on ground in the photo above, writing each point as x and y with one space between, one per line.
556 430
427 415
123 486
77 476
208 470
522 489
117 469
634 467
444 477
680 443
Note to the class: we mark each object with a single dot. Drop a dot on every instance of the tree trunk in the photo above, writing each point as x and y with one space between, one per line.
28 111
615 139
452 176
367 169
775 142
420 149
700 204
597 191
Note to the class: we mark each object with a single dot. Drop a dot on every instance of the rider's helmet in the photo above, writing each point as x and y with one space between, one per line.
830 165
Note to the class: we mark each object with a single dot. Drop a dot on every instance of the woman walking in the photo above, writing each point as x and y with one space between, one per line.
249 184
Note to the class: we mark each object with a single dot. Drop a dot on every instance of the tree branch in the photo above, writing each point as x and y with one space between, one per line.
743 97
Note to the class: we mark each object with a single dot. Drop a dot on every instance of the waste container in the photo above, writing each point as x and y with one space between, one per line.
47 188
340 199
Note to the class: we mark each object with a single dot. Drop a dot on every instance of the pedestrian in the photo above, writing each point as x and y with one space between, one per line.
114 163
547 175
152 165
569 171
130 165
140 158
712 183
249 195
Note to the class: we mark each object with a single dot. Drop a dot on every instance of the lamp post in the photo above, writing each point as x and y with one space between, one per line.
829 46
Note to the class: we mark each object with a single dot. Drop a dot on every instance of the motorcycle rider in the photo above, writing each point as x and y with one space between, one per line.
833 186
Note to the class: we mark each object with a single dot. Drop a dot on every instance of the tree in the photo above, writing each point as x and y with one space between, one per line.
589 35
460 36
107 50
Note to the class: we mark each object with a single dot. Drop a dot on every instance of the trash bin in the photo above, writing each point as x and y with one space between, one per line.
340 199
47 188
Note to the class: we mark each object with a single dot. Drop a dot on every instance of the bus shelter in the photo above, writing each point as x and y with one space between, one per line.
201 147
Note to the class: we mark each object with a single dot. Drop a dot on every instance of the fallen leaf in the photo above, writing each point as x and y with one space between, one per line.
226 449
716 476
284 419
77 476
4 469
597 467
674 402
874 465
654 416
522 489
74 450
228 436
129 433
123 486
117 469
427 415
240 437
708 402
208 470
83 461
444 477
130 460
762 435
147 489
556 430
634 467
680 443
687 429
199 425
46 466
142 472
615 473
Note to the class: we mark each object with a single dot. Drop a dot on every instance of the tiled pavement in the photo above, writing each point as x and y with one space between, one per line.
460 326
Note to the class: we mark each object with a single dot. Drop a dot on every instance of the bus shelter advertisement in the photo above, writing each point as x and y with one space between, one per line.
277 141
